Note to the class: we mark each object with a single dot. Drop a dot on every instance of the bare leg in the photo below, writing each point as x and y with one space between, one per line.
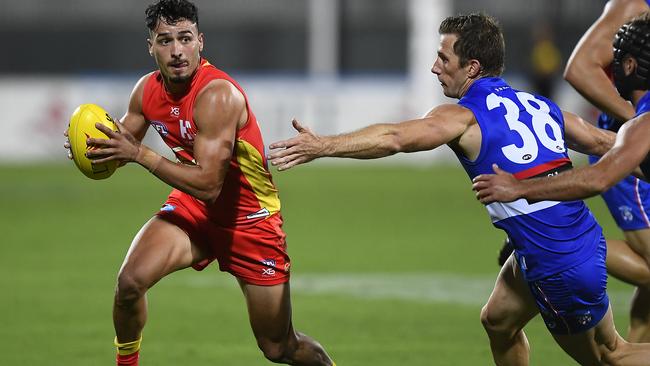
639 244
602 345
509 308
269 310
626 264
157 250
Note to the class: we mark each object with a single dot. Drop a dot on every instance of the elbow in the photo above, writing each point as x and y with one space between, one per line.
569 73
209 194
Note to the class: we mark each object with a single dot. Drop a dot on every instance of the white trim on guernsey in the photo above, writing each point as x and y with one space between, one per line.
500 210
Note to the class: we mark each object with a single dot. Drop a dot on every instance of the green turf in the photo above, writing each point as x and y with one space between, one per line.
64 237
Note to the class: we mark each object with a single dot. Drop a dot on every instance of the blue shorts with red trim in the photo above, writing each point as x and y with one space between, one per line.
575 300
628 202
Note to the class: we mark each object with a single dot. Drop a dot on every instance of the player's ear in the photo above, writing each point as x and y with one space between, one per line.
200 38
629 65
150 46
474 69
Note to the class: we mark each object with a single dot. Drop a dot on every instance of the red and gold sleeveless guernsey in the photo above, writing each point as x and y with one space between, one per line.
243 227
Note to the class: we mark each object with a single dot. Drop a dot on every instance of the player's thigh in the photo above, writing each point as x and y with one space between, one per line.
269 310
639 241
510 305
158 249
589 347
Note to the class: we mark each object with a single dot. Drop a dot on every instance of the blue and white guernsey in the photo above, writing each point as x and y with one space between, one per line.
524 134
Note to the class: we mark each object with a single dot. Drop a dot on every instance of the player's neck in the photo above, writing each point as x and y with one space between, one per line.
178 89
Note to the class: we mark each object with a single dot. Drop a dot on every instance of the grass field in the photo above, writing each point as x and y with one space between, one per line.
390 267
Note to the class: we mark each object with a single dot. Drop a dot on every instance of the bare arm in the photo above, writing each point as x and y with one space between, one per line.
133 120
593 53
630 149
218 110
581 136
444 124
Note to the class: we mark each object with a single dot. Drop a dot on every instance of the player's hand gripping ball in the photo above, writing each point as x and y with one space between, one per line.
81 128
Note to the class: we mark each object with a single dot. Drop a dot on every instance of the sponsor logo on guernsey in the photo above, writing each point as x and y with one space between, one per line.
176 111
260 213
270 267
167 207
626 213
160 127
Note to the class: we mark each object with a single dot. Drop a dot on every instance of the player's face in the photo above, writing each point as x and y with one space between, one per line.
453 78
176 49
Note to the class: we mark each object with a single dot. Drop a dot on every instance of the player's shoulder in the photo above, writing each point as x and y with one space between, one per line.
219 89
453 112
140 84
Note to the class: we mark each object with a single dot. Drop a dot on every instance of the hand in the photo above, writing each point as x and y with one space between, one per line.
120 146
303 148
66 144
501 187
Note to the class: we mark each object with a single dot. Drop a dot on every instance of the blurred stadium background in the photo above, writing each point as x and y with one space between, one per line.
392 259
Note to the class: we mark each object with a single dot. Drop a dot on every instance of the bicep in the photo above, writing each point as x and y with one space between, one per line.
442 125
134 120
217 114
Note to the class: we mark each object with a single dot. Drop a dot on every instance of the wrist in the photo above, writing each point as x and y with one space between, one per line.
148 158
327 147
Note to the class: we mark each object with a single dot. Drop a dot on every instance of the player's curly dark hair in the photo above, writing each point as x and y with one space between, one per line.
171 12
479 38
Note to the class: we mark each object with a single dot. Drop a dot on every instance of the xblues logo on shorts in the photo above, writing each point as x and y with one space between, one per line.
270 267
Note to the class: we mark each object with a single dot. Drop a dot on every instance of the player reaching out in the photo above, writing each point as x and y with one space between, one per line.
224 205
559 266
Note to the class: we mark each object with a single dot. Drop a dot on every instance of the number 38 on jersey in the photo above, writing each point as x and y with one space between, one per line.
545 130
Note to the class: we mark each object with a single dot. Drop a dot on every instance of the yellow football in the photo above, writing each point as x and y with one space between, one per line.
82 127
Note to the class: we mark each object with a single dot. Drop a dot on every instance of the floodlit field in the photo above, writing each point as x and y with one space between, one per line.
391 266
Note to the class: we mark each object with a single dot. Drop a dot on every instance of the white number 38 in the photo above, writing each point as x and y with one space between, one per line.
541 118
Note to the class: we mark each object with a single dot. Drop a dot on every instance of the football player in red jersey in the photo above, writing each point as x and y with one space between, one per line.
224 205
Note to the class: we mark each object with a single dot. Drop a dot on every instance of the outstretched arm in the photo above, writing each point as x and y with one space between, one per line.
593 53
443 124
630 149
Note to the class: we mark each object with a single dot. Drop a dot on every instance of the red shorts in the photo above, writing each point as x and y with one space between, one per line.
257 254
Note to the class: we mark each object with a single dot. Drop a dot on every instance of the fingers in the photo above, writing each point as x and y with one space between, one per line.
120 126
281 144
109 132
297 125
278 154
289 161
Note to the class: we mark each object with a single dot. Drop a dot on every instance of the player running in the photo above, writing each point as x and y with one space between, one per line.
559 265
224 205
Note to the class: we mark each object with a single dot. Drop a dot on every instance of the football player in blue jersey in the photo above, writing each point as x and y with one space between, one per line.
631 70
558 269
589 71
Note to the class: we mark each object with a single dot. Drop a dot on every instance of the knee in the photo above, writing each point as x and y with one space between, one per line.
496 322
276 352
129 289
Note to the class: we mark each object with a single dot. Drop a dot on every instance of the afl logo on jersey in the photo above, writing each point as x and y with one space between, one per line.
160 127
527 157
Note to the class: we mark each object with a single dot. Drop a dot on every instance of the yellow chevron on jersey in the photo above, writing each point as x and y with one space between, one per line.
251 165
